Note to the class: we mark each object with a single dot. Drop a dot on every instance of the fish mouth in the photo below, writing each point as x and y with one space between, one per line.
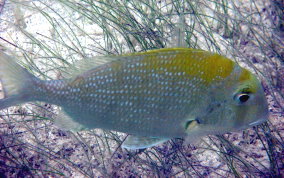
262 116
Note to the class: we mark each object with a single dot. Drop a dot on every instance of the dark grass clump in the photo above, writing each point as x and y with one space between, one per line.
49 36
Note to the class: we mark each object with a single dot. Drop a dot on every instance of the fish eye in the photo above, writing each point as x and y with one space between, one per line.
242 97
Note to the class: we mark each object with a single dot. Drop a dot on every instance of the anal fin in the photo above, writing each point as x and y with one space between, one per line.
65 121
136 142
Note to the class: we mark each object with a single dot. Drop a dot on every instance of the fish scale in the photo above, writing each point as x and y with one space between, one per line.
165 93
162 85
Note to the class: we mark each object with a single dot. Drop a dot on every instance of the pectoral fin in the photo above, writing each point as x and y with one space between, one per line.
194 131
135 142
192 124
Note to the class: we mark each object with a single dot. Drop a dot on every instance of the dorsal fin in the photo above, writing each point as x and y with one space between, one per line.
86 64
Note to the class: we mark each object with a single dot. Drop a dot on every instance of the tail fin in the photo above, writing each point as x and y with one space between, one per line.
16 82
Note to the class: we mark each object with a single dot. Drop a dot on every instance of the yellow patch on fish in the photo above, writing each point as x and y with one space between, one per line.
248 80
195 63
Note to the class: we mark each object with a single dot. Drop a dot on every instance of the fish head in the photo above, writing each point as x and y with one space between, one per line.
249 102
236 104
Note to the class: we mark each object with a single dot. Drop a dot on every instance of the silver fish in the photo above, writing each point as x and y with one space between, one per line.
154 96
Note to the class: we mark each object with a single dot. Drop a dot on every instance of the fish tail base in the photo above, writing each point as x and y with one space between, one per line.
17 82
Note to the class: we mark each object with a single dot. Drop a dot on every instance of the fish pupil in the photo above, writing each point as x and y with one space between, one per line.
244 98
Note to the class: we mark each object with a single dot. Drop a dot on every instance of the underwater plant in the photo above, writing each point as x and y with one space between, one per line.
48 37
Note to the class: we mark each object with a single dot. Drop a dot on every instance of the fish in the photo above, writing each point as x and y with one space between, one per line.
153 96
